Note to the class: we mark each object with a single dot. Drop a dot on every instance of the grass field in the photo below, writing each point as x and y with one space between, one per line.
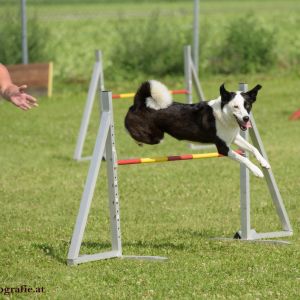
170 209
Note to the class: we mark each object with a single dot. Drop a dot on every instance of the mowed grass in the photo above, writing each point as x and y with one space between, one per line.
170 209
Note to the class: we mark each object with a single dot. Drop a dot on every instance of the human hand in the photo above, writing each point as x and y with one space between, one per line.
17 96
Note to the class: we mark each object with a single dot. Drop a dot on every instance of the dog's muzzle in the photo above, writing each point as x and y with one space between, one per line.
243 124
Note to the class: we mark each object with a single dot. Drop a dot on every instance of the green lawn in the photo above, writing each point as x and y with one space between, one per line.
170 209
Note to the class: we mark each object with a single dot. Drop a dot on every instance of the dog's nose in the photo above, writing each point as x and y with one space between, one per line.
246 119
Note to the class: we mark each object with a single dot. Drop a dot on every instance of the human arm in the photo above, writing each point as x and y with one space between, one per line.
16 95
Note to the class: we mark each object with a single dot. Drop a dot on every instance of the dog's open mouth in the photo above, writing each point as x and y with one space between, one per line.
243 125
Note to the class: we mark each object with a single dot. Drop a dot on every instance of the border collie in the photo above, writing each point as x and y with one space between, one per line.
217 121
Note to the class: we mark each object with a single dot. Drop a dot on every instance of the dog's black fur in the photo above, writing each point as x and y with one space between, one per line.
191 122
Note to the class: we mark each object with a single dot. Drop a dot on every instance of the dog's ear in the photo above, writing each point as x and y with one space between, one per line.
225 95
253 93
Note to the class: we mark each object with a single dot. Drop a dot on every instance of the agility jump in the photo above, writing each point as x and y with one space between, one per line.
97 83
105 144
151 160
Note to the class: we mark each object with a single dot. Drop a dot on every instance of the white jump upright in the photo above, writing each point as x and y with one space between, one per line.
97 82
105 144
246 232
191 79
191 76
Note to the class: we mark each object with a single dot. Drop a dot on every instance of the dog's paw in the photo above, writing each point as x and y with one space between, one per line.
257 172
265 164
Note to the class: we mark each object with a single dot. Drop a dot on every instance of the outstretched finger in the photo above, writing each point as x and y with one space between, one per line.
31 99
24 106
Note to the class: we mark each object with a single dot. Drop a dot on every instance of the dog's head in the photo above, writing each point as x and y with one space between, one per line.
238 104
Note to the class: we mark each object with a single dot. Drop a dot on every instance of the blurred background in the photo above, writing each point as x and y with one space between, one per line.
141 38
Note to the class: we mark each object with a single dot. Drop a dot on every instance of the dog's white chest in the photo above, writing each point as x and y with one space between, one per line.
226 133
226 128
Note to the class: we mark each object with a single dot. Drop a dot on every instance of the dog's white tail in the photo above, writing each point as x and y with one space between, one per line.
160 96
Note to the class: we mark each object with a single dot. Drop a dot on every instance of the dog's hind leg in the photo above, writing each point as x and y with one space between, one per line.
244 145
225 150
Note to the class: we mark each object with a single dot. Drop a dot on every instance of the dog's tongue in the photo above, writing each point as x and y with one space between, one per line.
248 124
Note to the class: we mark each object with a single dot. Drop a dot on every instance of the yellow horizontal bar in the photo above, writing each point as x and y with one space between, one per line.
128 95
155 159
206 155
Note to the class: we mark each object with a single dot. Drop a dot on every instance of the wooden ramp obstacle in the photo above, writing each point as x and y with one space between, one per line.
38 77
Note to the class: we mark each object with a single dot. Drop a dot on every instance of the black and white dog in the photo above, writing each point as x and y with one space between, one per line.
217 121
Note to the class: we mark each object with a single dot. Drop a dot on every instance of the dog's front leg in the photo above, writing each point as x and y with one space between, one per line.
244 145
244 160
225 150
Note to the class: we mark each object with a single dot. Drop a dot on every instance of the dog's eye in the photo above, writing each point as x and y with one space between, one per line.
235 106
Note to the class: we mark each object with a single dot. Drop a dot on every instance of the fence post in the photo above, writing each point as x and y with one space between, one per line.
196 36
24 32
